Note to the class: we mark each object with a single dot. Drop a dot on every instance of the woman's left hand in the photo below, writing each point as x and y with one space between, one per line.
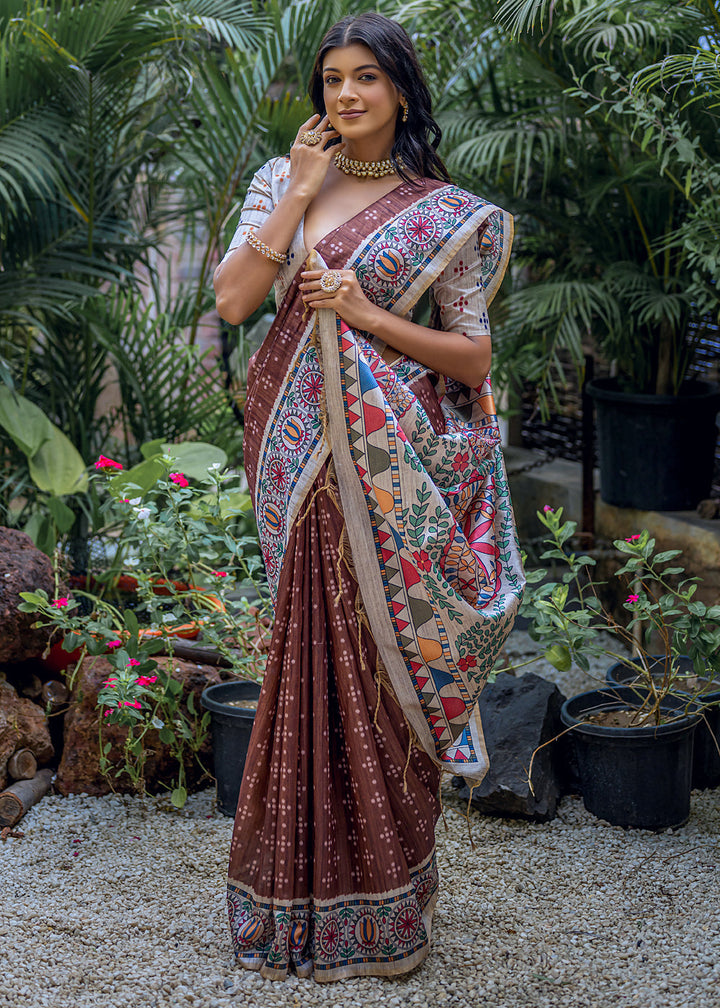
349 300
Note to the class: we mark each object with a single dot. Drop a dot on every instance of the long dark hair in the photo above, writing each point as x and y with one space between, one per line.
414 152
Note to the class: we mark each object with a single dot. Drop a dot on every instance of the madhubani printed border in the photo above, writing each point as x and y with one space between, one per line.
346 936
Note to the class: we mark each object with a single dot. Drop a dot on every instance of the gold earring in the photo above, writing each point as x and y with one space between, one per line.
403 102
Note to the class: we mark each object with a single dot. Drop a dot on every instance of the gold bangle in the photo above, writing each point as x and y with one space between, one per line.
254 242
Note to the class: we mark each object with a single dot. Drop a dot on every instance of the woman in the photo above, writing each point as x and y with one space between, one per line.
373 455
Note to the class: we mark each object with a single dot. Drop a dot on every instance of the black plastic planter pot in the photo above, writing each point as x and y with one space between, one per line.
634 777
655 452
706 754
231 727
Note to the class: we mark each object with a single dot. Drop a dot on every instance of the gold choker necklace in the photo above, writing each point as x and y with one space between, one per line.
365 169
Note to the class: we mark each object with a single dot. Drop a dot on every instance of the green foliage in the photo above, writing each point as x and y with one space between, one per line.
128 132
660 601
174 535
589 123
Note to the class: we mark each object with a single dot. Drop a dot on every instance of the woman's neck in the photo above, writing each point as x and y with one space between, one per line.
367 150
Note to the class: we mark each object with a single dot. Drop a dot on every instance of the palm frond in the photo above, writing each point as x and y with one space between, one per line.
521 15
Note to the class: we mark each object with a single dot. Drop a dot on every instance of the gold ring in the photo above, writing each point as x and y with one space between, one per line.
330 281
310 138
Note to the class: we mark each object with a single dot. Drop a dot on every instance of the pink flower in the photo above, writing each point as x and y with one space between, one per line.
105 464
145 680
547 509
130 703
111 683
133 662
60 603
632 598
114 643
220 574
106 714
633 538
178 479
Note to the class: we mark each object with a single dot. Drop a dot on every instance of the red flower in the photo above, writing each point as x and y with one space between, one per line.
105 464
145 680
220 574
633 538
133 662
469 661
60 603
460 461
422 561
178 479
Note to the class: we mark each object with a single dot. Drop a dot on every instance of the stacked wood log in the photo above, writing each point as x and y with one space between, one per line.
22 765
24 735
19 797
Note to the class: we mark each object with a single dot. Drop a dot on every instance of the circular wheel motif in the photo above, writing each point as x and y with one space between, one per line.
271 563
367 932
424 890
311 386
293 432
406 925
329 938
420 229
277 474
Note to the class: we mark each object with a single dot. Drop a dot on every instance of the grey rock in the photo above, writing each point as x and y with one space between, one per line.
518 716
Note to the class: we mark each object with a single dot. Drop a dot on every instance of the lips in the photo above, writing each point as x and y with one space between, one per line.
351 115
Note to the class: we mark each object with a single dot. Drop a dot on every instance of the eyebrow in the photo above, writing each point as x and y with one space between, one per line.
365 66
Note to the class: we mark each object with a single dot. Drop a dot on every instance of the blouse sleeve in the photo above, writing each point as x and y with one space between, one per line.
459 292
258 205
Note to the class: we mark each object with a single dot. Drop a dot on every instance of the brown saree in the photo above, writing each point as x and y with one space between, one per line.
332 868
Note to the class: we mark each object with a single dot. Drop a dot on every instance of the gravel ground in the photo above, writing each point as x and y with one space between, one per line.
118 901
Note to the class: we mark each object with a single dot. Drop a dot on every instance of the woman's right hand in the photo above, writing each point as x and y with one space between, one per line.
309 165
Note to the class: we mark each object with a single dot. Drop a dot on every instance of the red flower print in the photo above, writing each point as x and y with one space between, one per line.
422 561
460 461
468 662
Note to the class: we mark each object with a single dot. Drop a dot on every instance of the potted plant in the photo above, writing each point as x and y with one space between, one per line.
232 707
633 743
589 127
706 755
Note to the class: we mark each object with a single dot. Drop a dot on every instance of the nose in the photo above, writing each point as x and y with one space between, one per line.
347 92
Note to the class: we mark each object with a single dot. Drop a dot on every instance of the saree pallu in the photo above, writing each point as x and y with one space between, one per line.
389 544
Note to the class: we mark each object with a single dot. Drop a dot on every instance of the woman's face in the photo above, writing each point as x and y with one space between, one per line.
360 99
